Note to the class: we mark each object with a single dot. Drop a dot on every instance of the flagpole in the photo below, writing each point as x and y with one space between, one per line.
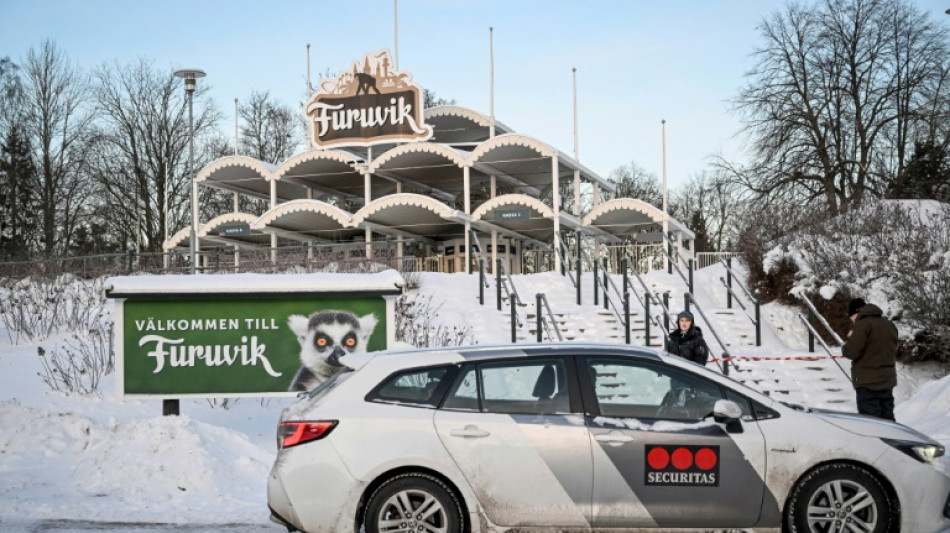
396 31
666 215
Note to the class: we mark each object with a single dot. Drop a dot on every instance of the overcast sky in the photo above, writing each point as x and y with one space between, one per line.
638 61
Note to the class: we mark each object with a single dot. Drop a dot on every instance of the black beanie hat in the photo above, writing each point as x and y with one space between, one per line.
855 305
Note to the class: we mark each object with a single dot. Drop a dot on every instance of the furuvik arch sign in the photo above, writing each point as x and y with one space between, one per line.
368 104
245 334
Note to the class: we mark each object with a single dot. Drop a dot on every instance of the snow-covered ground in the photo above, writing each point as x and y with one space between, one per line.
80 463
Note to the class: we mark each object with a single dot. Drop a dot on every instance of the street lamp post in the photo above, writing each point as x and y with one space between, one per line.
191 75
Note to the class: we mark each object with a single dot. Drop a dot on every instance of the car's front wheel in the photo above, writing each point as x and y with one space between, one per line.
413 503
840 497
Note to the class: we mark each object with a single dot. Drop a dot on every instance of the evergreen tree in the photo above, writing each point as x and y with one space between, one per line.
17 197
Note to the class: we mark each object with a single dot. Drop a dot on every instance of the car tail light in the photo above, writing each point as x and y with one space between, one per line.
294 433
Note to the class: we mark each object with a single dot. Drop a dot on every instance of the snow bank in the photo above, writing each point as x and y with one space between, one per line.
928 411
163 469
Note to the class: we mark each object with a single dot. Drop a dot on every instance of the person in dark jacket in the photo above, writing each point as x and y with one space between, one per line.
687 340
872 349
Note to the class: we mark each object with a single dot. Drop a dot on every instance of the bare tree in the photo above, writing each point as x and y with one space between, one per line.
57 121
837 96
141 151
710 203
270 131
633 181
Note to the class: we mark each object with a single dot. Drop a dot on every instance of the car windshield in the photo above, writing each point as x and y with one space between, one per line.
333 381
741 387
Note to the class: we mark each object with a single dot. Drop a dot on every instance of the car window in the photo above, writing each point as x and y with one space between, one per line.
464 394
633 389
419 386
512 387
528 387
743 403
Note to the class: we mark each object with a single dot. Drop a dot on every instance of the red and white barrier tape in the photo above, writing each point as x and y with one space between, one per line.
786 358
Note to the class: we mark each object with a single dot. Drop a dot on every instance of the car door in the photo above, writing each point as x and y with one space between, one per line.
515 431
660 460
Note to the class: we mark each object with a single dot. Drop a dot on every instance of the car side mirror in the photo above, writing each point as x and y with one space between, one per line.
729 413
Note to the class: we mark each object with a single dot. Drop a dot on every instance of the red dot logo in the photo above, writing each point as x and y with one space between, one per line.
706 459
682 459
658 458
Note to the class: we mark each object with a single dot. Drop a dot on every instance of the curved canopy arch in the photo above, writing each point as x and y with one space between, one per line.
454 124
417 154
537 207
534 223
331 160
285 214
308 220
208 235
411 214
209 227
178 240
231 167
630 216
333 172
510 146
246 175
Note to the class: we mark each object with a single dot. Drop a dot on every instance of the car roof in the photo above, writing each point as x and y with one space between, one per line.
456 354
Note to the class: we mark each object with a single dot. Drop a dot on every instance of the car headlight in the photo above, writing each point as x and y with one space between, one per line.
921 451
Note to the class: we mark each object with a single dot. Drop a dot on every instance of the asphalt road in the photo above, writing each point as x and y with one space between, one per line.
82 526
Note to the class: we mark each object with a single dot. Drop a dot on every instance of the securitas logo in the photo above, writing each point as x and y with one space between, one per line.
693 466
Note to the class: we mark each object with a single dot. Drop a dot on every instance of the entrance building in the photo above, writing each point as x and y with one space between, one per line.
438 191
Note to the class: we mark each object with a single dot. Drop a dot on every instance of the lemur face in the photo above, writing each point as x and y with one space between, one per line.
328 336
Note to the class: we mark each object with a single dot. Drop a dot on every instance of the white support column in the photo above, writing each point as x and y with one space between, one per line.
273 236
309 243
556 200
493 190
367 198
577 205
368 237
194 214
679 248
595 201
237 203
467 186
237 259
399 241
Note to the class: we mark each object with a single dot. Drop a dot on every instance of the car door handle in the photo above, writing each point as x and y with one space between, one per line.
614 437
469 431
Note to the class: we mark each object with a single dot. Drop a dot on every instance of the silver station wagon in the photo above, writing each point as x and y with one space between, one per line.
586 437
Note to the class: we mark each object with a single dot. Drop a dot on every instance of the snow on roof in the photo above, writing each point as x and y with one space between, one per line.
388 281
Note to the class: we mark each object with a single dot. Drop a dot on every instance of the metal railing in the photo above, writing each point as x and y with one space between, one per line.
812 333
616 296
726 355
505 288
707 259
821 320
730 295
649 297
546 324
566 267
688 280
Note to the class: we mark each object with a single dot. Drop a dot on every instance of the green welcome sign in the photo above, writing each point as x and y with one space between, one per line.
228 338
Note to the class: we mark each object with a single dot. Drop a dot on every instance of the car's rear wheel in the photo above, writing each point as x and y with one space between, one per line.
413 503
840 497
